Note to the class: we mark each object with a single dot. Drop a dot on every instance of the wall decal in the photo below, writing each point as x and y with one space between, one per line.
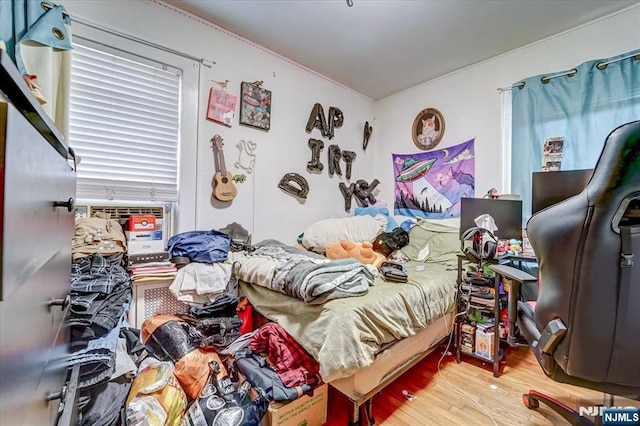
300 189
364 192
347 193
428 128
336 119
246 156
315 165
361 190
431 184
368 130
317 120
255 105
240 178
349 157
334 155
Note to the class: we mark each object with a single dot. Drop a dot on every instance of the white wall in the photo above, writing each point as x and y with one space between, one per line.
260 206
468 99
471 104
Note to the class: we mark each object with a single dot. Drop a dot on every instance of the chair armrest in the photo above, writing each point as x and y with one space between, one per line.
513 273
517 277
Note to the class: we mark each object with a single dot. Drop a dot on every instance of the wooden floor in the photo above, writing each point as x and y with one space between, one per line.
484 400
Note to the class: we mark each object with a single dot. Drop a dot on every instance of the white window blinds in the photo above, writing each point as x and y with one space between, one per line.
124 125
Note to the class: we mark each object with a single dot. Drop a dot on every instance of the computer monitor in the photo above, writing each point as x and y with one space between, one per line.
548 188
506 213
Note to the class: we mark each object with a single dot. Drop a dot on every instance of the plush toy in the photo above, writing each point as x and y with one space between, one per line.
515 247
362 252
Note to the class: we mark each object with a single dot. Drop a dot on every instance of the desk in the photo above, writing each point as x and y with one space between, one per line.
513 258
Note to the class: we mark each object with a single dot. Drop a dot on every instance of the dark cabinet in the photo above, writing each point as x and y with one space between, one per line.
37 183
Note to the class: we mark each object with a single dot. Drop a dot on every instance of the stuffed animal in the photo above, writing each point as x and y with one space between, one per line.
359 251
515 247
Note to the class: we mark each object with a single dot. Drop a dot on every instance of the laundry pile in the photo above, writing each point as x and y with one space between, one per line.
214 364
206 363
101 342
213 370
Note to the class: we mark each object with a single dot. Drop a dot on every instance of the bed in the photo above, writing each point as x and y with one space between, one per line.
363 343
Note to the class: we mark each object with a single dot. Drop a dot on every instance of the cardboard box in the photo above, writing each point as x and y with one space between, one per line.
141 223
143 235
484 343
304 411
142 247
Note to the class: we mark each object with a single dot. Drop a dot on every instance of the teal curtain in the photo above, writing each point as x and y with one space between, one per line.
582 108
35 22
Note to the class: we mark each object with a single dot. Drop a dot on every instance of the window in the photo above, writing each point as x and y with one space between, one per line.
133 122
124 125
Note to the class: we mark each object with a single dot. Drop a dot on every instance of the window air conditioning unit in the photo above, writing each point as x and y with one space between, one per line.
121 213
151 297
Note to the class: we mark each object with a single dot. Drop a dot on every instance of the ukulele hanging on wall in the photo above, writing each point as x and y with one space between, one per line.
223 187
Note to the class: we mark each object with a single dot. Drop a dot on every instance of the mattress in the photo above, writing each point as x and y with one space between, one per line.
345 335
393 359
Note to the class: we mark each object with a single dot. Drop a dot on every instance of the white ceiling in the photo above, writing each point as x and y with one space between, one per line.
380 47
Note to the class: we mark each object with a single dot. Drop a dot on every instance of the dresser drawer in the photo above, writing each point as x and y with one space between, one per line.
36 176
35 352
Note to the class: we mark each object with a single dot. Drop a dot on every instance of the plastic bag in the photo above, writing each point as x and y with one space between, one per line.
388 242
156 398
200 246
222 403
169 338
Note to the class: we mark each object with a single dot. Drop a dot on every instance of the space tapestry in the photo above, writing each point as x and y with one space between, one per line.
431 184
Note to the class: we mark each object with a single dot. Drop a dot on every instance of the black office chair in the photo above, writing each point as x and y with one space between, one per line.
585 327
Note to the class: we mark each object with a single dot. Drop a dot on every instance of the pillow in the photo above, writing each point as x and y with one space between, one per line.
358 229
433 242
374 211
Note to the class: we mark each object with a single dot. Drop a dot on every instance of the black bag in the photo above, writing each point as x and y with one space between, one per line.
240 237
388 242
220 403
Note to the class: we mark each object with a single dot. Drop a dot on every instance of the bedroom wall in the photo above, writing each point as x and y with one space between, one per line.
467 98
471 104
260 206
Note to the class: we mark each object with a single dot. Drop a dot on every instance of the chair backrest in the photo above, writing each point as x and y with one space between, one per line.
578 246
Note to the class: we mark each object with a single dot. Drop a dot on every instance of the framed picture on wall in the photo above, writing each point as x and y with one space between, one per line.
428 128
222 106
255 106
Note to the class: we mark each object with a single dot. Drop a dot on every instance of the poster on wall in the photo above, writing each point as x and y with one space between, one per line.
431 184
222 106
552 154
255 106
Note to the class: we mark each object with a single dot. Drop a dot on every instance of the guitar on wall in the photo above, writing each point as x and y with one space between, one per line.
223 187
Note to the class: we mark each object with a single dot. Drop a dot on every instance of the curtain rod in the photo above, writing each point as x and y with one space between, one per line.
545 79
202 61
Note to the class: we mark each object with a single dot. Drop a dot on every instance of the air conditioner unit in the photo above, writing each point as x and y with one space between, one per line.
121 213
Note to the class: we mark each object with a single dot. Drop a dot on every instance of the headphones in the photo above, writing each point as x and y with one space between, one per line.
483 246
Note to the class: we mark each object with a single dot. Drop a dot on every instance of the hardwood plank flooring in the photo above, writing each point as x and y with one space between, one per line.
468 394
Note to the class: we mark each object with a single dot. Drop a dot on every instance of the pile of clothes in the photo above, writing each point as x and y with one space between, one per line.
214 367
101 342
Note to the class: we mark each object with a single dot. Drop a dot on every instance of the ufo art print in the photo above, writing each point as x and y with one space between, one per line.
431 184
